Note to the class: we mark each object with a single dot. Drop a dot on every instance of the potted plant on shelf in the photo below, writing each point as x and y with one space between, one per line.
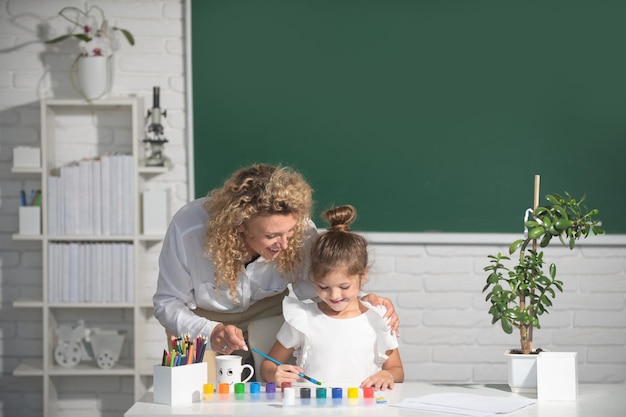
91 72
520 294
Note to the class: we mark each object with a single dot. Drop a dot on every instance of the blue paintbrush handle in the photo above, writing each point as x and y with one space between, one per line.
269 358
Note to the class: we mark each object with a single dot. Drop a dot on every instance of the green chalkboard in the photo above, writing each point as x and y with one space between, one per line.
425 115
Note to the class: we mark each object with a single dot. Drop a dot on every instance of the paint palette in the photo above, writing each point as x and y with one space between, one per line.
296 395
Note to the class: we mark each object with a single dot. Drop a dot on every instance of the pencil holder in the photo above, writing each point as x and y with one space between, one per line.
30 220
179 384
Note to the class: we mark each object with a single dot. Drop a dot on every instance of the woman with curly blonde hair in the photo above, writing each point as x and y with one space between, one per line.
261 191
227 259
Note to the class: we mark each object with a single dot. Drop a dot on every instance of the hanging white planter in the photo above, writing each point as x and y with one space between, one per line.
92 76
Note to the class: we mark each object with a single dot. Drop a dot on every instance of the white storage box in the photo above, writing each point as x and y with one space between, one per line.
154 212
557 376
26 157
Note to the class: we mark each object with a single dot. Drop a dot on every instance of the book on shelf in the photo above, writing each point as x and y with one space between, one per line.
96 184
83 197
105 191
92 197
130 273
52 205
90 272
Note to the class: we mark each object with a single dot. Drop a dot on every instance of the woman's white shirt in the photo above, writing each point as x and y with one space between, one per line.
186 277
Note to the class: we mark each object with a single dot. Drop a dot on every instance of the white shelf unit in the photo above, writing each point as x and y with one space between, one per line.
131 316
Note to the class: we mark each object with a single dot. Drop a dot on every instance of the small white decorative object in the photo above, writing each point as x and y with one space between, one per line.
557 376
76 343
106 345
70 350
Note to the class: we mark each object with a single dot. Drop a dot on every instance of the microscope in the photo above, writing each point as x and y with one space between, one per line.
154 132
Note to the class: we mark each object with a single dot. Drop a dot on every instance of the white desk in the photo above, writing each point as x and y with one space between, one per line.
594 400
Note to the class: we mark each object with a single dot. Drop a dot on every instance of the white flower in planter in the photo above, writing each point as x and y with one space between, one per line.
96 37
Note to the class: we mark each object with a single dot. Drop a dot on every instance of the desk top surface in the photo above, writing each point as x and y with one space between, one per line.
598 400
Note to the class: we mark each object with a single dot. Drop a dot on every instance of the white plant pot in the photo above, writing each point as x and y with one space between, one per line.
92 77
522 372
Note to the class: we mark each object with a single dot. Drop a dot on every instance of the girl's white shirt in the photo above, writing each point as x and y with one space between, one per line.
336 350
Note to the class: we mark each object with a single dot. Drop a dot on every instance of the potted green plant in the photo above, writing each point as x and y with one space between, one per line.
521 293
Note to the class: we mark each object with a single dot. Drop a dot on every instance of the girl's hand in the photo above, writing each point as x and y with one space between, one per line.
227 339
391 315
286 373
380 381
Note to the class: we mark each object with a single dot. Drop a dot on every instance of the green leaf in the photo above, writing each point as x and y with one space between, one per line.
544 280
562 212
545 300
80 36
515 245
506 325
59 39
563 224
129 37
536 232
540 309
553 199
552 270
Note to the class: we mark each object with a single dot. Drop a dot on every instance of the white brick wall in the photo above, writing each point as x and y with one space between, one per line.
434 281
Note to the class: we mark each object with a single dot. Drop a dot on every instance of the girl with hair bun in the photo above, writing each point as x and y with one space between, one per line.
341 338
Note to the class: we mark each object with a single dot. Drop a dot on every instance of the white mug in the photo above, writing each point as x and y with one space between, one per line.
229 369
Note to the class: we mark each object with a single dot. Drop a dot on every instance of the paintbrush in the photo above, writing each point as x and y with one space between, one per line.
277 362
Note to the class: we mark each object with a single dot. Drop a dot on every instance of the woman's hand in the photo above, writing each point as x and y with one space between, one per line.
380 381
394 321
227 339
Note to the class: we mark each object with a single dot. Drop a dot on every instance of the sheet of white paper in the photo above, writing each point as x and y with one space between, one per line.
439 409
466 404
